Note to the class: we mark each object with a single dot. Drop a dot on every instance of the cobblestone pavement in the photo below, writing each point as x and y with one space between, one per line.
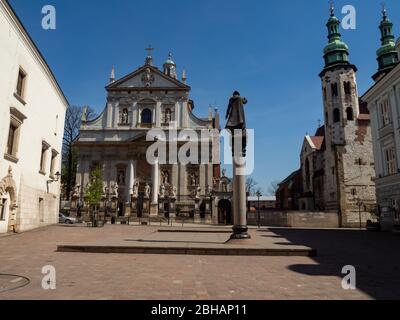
120 276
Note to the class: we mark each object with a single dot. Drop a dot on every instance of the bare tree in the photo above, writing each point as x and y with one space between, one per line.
251 185
73 120
273 188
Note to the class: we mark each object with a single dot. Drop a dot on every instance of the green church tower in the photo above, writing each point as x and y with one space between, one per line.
336 51
387 54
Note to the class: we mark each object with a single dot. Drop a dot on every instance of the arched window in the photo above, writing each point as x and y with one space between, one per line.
334 89
146 116
347 87
336 115
349 113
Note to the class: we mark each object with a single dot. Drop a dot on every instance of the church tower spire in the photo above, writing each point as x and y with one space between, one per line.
387 55
112 75
170 67
336 51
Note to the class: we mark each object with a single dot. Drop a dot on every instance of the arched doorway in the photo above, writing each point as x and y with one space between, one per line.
8 204
225 212
4 212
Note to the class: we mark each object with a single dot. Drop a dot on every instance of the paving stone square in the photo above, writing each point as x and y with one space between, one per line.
138 276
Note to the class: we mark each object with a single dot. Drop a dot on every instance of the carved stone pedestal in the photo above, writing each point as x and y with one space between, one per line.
239 200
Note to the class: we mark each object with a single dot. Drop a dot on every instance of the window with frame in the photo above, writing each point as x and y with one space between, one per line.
336 115
350 114
16 120
334 89
43 157
385 115
390 159
21 83
347 87
146 116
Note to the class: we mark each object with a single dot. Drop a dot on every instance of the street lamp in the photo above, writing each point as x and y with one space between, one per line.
259 195
57 178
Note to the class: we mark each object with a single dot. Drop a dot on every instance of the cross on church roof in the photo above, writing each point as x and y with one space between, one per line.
149 50
332 7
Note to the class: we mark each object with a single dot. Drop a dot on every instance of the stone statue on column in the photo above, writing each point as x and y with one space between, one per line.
236 124
236 120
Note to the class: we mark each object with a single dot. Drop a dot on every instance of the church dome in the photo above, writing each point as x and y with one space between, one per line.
169 60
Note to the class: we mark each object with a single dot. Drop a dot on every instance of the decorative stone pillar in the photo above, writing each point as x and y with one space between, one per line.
155 179
158 114
239 199
131 178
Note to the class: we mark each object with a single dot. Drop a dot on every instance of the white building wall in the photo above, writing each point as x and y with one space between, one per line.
45 114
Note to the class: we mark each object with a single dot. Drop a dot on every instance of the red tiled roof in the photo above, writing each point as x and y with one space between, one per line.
318 142
320 132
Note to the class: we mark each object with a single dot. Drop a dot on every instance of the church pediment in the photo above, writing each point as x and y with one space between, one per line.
146 78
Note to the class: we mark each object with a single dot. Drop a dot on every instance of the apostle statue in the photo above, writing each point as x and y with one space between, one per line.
135 192
173 192
147 191
236 120
197 194
162 191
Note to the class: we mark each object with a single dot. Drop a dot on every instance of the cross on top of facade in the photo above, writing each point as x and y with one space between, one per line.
332 7
149 51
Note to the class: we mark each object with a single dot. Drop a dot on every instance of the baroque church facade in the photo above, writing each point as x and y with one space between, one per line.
337 163
144 100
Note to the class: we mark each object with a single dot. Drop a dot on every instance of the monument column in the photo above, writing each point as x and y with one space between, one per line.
155 186
237 126
131 177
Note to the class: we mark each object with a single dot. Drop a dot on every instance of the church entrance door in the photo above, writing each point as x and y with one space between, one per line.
225 212
140 201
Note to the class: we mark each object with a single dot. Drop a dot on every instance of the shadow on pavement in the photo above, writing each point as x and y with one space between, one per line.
376 257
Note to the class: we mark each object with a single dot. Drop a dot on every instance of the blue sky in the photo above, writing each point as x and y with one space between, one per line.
271 51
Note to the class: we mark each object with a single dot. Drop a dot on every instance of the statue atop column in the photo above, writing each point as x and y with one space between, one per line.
237 120
236 124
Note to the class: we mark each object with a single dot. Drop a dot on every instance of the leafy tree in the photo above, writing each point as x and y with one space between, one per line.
73 121
94 191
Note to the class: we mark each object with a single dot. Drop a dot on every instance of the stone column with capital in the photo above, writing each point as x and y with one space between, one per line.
236 124
155 187
239 199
